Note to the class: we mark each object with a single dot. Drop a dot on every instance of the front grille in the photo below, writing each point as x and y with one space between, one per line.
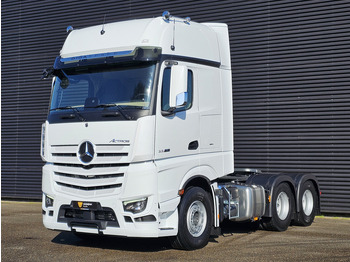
104 176
89 188
111 154
105 154
91 166
89 176
64 154
102 180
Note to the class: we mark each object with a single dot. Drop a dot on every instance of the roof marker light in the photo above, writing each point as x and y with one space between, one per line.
166 15
69 29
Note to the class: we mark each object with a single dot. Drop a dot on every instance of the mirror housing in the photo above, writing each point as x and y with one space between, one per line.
47 72
178 86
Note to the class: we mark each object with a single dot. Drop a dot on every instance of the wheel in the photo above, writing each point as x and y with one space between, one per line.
195 220
282 205
308 203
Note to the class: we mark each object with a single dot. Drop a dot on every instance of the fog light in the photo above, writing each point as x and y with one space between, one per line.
135 206
48 201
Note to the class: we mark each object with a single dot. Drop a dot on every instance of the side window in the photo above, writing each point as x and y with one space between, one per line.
166 89
189 89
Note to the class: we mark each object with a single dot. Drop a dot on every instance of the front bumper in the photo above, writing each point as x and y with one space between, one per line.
139 181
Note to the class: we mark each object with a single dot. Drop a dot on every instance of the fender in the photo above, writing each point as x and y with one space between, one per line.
299 180
270 182
206 172
202 176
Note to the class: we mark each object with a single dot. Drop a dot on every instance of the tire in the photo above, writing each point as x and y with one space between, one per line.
282 205
195 220
308 203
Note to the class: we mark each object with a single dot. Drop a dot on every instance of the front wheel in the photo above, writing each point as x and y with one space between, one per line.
195 220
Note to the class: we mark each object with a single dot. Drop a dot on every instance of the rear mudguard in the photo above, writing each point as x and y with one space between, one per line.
295 181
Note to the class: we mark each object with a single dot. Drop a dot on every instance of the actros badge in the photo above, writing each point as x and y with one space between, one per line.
86 152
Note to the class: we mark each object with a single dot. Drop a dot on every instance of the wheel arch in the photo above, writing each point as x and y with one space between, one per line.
295 181
270 182
198 181
199 176
299 180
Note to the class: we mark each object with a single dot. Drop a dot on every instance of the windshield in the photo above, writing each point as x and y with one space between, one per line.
93 88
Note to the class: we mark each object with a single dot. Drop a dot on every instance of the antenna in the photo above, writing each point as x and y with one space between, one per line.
103 26
167 18
173 45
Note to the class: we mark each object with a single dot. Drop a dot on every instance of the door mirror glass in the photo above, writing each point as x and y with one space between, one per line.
181 99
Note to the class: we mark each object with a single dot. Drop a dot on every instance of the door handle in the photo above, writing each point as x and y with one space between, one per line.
193 145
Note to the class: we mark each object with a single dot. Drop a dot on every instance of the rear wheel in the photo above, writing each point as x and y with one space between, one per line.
195 220
282 205
308 203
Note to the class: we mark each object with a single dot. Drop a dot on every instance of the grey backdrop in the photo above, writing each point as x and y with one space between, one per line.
291 79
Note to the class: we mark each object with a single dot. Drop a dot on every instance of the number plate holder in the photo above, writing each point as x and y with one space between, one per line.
86 205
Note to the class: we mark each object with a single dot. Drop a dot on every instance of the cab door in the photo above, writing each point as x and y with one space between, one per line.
177 131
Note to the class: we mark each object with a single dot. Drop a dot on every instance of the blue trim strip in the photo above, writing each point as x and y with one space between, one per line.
94 56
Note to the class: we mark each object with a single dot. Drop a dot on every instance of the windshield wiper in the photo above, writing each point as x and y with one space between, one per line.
75 110
119 108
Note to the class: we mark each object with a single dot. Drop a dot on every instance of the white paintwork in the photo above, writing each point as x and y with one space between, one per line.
223 44
144 140
160 163
194 40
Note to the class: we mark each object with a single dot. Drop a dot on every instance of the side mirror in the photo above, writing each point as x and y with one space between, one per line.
48 72
178 86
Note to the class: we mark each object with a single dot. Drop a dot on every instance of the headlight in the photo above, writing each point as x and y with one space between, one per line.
135 206
48 201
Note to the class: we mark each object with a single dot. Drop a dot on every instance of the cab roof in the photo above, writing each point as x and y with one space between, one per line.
190 39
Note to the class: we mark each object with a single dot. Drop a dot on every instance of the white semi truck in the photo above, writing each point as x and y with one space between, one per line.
138 141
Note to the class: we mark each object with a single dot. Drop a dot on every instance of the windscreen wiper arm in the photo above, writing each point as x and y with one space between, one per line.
75 110
119 108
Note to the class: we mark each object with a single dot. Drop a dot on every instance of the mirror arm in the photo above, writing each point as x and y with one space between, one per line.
173 110
169 112
47 72
50 71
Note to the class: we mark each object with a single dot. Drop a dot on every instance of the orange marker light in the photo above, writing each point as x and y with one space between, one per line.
269 198
181 192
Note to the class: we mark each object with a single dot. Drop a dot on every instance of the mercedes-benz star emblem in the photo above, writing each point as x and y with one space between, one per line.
86 152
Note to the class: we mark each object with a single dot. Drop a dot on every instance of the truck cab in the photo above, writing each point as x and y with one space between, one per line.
140 132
